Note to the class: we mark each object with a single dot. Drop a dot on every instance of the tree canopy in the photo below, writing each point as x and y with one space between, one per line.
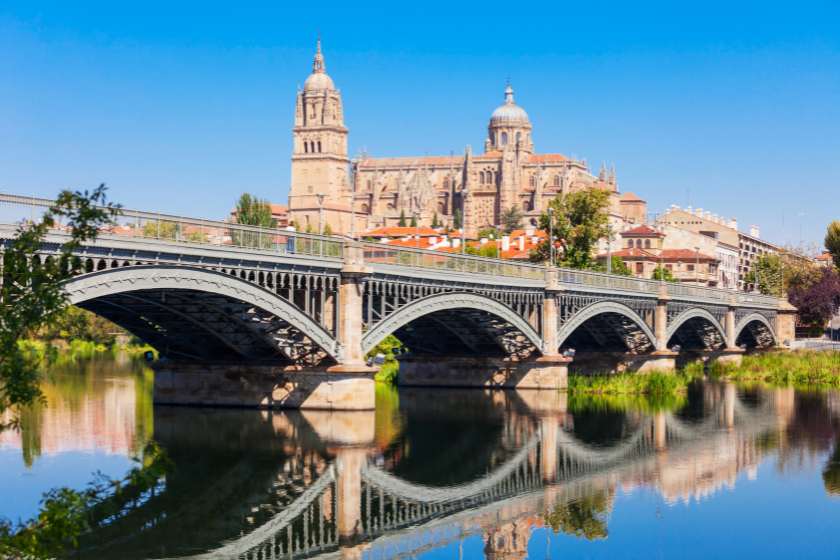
832 241
511 220
580 220
252 211
401 223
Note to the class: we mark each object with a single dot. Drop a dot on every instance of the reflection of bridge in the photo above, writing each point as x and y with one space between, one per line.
259 316
357 509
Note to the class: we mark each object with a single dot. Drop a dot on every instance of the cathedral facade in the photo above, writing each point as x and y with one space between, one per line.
376 191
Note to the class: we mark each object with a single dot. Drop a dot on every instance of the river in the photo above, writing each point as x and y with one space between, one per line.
727 471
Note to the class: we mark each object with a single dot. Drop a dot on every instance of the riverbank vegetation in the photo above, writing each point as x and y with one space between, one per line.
391 367
798 367
654 383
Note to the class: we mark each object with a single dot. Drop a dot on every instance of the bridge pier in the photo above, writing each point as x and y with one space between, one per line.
549 372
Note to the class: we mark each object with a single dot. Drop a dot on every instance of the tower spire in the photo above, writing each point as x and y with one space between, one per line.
318 67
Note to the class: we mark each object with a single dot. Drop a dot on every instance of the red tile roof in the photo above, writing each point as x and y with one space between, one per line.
423 231
413 161
630 197
641 230
547 158
671 255
824 257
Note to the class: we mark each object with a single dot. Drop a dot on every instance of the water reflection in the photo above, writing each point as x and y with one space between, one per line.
460 472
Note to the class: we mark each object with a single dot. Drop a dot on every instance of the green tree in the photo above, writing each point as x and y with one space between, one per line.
618 267
769 274
308 227
413 221
251 211
401 223
660 273
512 220
435 223
488 251
832 242
159 229
327 229
580 220
31 297
587 518
457 219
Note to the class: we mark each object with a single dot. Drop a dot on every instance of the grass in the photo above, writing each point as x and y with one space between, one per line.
388 372
654 383
76 349
798 366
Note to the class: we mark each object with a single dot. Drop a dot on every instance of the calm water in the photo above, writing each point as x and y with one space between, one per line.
729 471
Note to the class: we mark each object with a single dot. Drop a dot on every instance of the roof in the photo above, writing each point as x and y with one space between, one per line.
824 257
547 158
423 231
422 243
641 230
630 197
275 209
327 206
671 255
414 161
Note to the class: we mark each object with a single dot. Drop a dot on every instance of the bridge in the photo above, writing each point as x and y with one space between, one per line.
252 316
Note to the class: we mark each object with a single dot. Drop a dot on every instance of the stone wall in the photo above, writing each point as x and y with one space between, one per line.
482 372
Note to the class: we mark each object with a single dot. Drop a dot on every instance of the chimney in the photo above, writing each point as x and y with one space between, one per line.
689 210
506 243
733 223
521 242
432 240
722 221
676 208
699 213
456 242
707 215
483 240
714 218
529 231
754 231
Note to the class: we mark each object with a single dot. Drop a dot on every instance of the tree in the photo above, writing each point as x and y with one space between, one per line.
580 220
618 267
413 221
815 303
769 274
832 242
401 223
511 220
308 227
31 297
457 219
252 211
660 273
489 251
587 518
435 223
327 229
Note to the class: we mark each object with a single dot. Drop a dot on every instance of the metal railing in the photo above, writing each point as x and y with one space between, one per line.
688 290
382 253
601 280
758 299
15 209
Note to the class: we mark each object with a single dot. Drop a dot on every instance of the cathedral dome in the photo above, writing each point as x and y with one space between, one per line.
509 113
318 81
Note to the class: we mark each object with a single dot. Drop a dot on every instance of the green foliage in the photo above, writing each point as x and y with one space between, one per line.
660 273
390 369
252 211
435 222
769 274
457 219
297 225
413 221
654 383
489 251
798 366
580 220
159 229
401 223
66 513
618 266
74 323
511 220
327 229
587 518
489 233
832 241
308 227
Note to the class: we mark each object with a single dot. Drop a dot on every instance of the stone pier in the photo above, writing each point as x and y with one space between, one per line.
471 371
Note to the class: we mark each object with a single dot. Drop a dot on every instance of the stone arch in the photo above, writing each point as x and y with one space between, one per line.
450 301
603 307
755 317
694 313
117 281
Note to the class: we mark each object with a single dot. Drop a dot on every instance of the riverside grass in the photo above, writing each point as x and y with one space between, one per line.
795 367
76 349
654 383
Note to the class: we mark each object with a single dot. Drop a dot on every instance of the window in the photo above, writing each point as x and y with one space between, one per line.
526 206
669 267
481 177
306 147
446 182
492 138
319 146
518 137
647 243
638 243
691 268
640 268
504 138
629 243
557 180
368 184
365 209
532 181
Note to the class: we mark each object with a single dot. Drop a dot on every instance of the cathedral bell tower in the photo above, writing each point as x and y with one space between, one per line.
319 161
509 127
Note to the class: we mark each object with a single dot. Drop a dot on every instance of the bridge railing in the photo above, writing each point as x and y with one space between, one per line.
611 281
16 209
382 253
687 290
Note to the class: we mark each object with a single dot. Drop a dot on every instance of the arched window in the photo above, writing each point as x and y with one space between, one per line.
532 181
481 177
369 185
492 138
495 177
639 243
526 206
306 147
446 182
557 180
518 137
365 209
629 243
319 146
312 147
441 208
647 243
504 138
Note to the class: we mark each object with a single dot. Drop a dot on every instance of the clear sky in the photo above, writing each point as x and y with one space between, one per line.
181 106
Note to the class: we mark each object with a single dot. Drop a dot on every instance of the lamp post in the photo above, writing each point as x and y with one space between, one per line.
679 265
499 241
661 257
417 228
320 196
353 163
551 235
656 220
697 270
464 193
609 248
644 264
757 285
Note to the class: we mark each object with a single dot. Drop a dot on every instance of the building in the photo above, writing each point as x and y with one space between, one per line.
750 246
280 214
377 190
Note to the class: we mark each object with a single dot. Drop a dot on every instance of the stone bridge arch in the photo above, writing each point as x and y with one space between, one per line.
492 322
609 310
209 315
763 332
696 317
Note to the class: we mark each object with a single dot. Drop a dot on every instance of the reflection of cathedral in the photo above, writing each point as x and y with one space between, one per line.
507 174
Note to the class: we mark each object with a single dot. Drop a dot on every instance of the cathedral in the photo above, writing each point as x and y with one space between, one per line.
376 191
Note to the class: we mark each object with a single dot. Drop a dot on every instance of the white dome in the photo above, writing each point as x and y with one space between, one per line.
510 112
318 82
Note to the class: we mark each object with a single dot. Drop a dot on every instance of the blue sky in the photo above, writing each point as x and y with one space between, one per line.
181 106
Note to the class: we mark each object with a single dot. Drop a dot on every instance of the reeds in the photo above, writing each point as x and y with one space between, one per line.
797 366
651 383
76 349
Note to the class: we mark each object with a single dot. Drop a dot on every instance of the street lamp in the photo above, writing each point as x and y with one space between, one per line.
757 285
417 228
464 193
697 270
644 264
551 235
320 196
679 265
609 249
499 241
353 163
